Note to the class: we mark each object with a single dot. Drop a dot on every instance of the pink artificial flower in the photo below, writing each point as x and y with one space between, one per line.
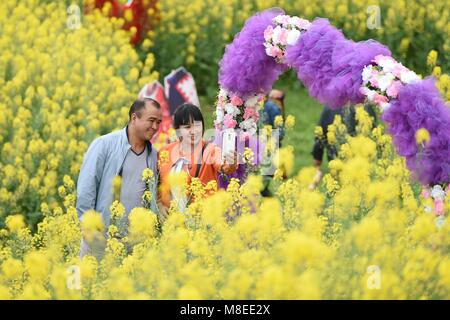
398 70
381 59
276 35
229 122
362 90
392 90
283 37
221 100
425 193
439 207
374 82
378 59
379 99
268 33
276 52
236 101
299 23
249 112
284 19
303 24
374 73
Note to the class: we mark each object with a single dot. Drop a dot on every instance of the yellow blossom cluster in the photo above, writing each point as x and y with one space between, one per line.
362 234
443 79
60 87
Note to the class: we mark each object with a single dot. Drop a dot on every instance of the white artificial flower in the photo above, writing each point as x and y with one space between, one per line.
223 93
437 193
384 106
230 109
293 36
294 21
368 93
252 130
409 77
388 64
247 124
219 115
276 34
244 124
304 24
277 19
251 102
367 72
385 80
281 19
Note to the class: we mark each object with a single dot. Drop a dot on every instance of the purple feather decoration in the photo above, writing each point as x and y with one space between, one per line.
245 68
420 105
329 65
312 56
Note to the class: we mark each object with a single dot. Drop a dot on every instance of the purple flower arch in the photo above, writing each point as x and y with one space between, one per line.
330 67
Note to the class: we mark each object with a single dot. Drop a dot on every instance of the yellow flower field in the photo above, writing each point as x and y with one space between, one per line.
60 88
363 234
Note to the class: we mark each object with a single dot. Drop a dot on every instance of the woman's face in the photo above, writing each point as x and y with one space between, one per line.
192 133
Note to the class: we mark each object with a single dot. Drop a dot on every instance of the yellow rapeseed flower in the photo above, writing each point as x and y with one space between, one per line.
422 136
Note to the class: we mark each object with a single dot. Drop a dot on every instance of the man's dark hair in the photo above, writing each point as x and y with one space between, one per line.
186 114
139 105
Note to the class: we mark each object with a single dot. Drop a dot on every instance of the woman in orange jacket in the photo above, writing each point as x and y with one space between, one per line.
190 154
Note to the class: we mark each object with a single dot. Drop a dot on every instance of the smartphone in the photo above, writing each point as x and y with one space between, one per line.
228 142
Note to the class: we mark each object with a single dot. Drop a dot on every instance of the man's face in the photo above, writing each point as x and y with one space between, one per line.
276 94
148 123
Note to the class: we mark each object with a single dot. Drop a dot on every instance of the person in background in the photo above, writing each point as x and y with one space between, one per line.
273 107
277 96
321 145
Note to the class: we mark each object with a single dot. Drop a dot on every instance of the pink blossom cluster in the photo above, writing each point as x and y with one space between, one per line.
286 32
233 112
383 80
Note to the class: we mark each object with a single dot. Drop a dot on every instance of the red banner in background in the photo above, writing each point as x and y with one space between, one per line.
135 12
179 87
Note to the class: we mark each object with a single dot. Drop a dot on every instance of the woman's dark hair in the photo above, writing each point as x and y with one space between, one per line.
186 114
